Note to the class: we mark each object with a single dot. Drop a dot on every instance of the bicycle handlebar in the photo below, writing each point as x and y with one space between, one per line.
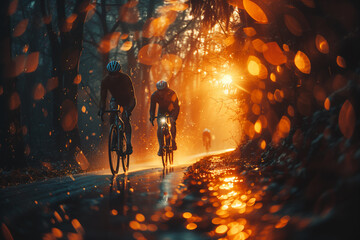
111 111
166 116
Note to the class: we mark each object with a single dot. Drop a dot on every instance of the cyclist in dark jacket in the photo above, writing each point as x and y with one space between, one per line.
121 88
168 104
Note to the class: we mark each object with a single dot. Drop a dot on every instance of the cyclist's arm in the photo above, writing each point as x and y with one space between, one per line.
176 110
152 106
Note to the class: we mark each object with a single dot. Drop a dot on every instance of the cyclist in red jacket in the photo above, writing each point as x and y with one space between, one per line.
168 104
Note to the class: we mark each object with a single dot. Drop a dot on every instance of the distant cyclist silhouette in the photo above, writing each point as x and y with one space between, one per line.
206 135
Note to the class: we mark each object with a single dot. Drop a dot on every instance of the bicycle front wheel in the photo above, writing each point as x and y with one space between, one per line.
125 158
113 150
163 155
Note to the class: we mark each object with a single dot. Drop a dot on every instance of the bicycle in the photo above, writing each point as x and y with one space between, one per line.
117 142
207 145
167 155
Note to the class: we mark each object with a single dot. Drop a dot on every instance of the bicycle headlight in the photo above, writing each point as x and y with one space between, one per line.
163 120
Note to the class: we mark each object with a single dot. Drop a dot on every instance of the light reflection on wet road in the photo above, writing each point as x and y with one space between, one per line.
209 200
98 206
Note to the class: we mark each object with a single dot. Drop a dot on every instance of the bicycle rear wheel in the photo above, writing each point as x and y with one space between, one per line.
171 157
164 159
125 158
113 150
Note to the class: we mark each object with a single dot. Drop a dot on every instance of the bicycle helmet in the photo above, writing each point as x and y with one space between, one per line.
113 66
160 85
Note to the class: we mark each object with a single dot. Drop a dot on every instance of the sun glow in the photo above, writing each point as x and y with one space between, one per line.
226 80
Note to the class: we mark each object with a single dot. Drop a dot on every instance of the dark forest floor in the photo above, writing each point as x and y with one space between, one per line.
32 174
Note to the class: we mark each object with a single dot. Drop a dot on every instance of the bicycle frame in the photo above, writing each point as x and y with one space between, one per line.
165 125
119 125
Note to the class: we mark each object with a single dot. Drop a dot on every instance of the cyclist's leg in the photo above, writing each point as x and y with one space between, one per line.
160 138
128 132
114 138
173 132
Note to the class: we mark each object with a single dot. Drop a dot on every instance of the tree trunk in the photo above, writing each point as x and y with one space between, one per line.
11 140
65 59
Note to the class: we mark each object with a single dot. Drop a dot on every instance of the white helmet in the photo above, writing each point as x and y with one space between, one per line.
160 85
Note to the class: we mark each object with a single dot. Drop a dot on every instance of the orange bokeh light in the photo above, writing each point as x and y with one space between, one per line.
293 25
109 42
278 95
150 54
14 101
256 96
286 47
12 7
77 79
257 126
263 144
284 125
249 31
309 3
126 46
158 26
341 62
71 18
52 83
263 121
258 44
20 28
191 226
140 217
327 104
249 129
256 109
273 77
273 54
57 233
229 40
179 6
321 44
187 215
129 12
302 62
221 229
69 115
347 119
263 74
18 66
291 111
253 65
255 11
32 62
82 160
39 92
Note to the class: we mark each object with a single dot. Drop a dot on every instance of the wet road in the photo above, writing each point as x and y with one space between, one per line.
95 206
